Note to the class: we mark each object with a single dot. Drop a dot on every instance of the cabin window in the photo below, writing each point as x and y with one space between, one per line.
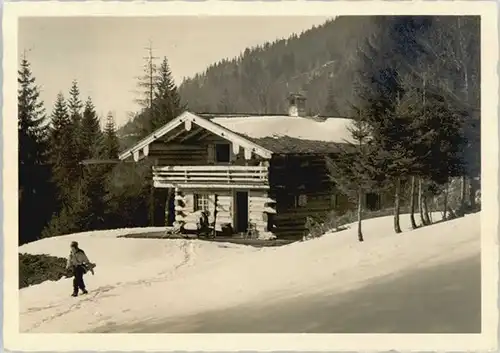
201 202
301 200
222 153
372 201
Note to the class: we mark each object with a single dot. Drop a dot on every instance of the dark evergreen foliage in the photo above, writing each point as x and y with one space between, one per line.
35 269
94 176
36 191
91 135
75 106
111 145
61 152
354 170
167 101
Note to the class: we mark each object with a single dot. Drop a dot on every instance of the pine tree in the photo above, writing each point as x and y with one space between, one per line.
92 212
354 170
32 128
94 176
75 106
91 134
379 89
167 101
445 144
111 146
66 172
62 151
35 189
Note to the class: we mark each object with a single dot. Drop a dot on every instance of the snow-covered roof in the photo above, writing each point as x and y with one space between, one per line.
312 129
289 134
262 135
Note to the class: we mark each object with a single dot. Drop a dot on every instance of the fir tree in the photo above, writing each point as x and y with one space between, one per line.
32 128
354 170
393 143
75 105
111 145
91 134
167 101
379 90
62 151
35 189
66 172
94 176
444 142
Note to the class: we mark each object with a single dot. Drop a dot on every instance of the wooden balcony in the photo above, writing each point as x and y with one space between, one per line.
232 177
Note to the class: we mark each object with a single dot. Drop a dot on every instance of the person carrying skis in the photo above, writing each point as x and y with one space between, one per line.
79 263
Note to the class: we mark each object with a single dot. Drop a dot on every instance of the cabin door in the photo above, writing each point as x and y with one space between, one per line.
241 211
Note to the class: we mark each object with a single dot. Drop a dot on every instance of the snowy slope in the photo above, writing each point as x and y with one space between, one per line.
141 280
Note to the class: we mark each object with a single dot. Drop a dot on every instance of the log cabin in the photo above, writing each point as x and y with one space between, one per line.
257 174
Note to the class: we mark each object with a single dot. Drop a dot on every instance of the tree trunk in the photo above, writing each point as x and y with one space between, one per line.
463 195
426 211
360 214
445 201
397 227
421 202
216 199
412 203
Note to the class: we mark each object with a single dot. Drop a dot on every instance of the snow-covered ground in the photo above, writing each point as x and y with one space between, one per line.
149 280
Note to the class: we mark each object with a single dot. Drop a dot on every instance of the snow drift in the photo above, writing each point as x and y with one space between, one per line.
139 280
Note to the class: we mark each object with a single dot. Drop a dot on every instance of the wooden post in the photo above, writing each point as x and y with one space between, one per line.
152 204
167 207
216 199
152 197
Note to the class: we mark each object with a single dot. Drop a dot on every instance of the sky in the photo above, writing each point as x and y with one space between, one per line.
106 55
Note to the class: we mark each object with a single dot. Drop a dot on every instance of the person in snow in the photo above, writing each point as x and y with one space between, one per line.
79 263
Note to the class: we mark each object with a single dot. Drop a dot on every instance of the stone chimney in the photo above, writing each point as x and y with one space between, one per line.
297 105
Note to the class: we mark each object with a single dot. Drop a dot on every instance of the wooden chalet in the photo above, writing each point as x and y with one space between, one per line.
263 174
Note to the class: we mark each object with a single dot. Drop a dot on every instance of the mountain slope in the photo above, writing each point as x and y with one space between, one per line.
259 80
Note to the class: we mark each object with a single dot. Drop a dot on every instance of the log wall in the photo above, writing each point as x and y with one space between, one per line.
198 149
225 208
302 188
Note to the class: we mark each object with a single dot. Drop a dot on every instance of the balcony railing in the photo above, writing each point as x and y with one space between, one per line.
211 176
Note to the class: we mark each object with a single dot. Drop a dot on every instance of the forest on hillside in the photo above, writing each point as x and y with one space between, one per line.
412 81
323 63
